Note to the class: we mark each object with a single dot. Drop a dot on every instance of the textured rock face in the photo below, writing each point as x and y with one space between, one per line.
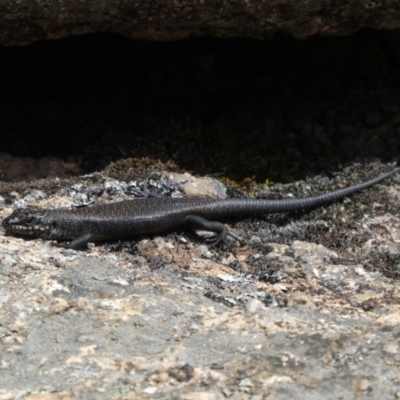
169 317
24 21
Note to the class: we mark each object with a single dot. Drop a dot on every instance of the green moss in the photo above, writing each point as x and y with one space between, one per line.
105 147
201 149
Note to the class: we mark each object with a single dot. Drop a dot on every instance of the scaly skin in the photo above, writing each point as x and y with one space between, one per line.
156 214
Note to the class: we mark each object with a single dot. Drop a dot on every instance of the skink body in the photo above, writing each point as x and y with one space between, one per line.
156 214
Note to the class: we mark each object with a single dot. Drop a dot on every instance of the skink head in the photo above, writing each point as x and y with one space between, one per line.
28 221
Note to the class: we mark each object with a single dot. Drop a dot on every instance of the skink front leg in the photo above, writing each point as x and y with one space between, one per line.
78 243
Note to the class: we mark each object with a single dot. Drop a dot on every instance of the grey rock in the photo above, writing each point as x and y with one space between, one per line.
24 21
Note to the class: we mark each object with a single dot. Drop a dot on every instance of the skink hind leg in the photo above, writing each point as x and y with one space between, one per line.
78 243
196 222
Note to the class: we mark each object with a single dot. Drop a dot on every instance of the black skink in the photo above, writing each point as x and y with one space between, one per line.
155 214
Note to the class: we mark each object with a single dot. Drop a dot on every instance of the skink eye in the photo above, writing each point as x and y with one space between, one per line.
30 220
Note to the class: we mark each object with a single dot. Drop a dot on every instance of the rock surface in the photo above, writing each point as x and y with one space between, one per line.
24 21
170 317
